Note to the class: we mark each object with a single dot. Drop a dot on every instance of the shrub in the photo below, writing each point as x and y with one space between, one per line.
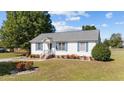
77 56
101 52
68 56
29 65
21 66
6 67
35 56
73 56
50 56
62 56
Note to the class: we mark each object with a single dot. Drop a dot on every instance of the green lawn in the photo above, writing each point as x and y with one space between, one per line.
9 55
60 69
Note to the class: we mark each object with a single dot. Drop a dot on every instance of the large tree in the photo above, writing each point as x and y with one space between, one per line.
116 40
106 42
22 26
88 27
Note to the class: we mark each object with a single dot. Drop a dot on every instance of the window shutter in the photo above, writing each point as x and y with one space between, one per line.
87 47
36 46
41 46
78 46
66 46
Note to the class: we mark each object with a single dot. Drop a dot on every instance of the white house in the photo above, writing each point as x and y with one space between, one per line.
65 43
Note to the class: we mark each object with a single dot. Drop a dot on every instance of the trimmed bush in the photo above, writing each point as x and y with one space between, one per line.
101 52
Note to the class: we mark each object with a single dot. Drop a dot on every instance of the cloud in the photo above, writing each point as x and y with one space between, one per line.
109 15
92 24
102 25
62 27
59 23
70 13
119 23
73 18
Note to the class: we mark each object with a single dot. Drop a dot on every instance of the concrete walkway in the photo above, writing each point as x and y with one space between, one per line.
20 59
10 59
7 60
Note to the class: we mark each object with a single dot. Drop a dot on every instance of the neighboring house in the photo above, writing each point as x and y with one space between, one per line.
66 43
123 42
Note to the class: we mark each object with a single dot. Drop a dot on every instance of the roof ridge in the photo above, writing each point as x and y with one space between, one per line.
72 31
86 35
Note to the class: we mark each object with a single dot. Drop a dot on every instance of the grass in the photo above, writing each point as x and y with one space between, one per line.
8 55
61 69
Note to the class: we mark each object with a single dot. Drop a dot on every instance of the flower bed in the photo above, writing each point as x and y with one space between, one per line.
15 67
73 56
34 56
22 66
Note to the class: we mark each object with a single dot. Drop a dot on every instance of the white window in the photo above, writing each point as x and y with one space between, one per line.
39 46
62 46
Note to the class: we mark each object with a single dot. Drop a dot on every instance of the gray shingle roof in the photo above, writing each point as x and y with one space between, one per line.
69 36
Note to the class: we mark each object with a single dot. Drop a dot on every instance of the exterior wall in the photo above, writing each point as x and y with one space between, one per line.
71 49
34 51
45 48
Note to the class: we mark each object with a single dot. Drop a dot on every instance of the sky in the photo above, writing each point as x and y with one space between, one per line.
107 22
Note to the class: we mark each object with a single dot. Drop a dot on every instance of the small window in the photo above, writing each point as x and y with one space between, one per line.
62 46
39 46
82 46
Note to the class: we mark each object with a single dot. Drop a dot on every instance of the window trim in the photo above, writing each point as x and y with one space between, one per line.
37 47
65 46
85 45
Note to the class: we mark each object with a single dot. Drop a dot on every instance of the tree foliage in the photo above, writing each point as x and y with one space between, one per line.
106 42
22 26
88 27
116 40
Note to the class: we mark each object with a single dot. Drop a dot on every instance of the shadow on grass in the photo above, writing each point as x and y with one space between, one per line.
8 68
110 60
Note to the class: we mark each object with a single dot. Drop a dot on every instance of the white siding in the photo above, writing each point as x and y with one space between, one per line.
34 51
72 49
